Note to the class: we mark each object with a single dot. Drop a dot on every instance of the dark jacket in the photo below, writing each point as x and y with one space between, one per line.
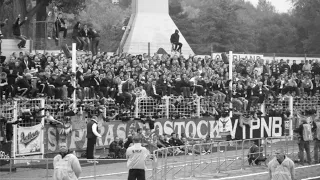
89 129
93 34
299 130
83 33
23 83
59 22
16 27
174 38
295 68
76 31
127 87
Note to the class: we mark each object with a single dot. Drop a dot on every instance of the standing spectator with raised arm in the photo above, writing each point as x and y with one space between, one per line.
17 32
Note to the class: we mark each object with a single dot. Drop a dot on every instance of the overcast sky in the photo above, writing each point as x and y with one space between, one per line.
282 6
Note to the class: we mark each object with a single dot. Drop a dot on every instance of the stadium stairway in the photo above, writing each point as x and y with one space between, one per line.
10 45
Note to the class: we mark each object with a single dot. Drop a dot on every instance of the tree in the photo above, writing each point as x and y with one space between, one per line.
20 7
307 16
107 19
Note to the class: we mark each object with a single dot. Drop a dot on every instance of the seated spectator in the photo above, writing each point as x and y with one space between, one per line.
117 148
255 154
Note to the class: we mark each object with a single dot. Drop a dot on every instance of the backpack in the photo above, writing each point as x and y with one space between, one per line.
306 132
317 133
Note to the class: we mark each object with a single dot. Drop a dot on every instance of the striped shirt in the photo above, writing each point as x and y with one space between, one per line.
281 171
137 156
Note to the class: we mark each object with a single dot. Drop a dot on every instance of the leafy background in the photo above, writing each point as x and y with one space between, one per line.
218 25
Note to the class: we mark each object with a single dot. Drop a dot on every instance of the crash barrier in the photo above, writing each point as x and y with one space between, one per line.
209 159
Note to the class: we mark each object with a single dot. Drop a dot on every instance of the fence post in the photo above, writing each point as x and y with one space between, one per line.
42 105
47 169
290 119
136 110
198 107
167 107
263 108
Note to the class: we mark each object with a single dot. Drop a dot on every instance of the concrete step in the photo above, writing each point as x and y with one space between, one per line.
10 45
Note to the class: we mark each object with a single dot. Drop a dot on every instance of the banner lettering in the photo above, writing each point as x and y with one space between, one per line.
198 128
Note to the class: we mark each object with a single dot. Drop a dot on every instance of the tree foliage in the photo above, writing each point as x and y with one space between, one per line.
239 26
106 18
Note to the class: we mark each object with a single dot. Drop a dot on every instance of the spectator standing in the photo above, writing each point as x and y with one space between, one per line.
85 38
1 35
304 131
66 166
52 16
60 26
92 134
316 130
137 156
306 68
176 45
281 167
17 32
76 36
95 40
295 67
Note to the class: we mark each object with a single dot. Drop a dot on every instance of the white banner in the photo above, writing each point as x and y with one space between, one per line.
29 140
239 56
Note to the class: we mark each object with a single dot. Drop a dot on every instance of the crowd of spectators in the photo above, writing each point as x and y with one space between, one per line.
124 78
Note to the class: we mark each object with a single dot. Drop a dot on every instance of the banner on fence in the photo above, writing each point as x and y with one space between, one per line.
199 128
5 151
239 56
29 140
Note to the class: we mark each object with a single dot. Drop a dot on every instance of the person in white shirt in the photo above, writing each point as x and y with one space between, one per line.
281 167
66 165
137 156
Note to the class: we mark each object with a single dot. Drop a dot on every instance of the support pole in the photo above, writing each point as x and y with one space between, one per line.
74 67
230 78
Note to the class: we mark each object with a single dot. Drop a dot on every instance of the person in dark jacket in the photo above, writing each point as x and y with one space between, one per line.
1 35
92 135
115 148
176 45
60 26
95 40
77 37
85 37
127 89
17 33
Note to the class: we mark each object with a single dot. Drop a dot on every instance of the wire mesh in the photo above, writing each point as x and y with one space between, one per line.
29 112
